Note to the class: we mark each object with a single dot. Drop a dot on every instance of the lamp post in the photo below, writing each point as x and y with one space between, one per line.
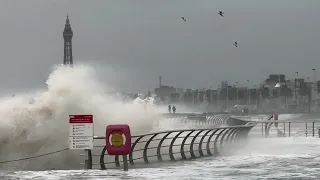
260 96
218 94
279 81
248 92
295 87
256 90
236 84
285 94
211 95
227 88
315 89
309 95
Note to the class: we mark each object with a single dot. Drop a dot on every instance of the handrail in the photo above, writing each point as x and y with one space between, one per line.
175 145
279 121
285 128
178 130
204 119
200 120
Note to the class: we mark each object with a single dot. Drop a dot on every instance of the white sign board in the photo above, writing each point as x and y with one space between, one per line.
81 132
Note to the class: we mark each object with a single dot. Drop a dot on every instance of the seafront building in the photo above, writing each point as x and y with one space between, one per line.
276 93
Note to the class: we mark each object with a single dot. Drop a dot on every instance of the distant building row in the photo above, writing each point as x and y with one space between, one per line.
276 86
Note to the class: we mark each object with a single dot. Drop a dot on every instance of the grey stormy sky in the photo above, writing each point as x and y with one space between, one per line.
143 39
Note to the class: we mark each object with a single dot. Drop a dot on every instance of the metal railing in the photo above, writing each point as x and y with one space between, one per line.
203 120
286 128
195 119
171 146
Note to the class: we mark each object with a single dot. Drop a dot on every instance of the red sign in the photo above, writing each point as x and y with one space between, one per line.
118 139
80 118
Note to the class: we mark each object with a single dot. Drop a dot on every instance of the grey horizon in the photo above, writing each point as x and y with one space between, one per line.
141 40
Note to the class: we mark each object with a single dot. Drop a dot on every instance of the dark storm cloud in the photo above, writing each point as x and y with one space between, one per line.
148 38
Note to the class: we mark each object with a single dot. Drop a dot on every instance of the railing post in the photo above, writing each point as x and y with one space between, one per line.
289 129
102 164
125 163
306 129
284 129
312 129
266 133
88 159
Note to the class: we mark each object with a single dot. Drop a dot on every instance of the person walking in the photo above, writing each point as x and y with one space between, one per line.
174 109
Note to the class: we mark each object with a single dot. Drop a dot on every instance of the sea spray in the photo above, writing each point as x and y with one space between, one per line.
37 123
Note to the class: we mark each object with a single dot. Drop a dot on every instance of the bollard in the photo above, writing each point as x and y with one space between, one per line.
284 129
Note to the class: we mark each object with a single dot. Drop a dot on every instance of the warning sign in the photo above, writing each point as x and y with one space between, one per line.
81 131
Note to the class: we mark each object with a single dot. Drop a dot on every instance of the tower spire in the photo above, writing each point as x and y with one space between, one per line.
67 36
67 20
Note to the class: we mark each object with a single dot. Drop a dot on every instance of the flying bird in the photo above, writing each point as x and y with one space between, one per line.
221 13
183 18
236 44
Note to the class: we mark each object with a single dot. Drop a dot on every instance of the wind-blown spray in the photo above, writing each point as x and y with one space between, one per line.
37 123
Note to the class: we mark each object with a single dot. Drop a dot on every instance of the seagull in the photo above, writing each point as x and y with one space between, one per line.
221 13
183 18
236 44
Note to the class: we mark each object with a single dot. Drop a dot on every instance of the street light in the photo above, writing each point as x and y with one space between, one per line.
236 83
315 88
295 87
248 92
218 94
227 88
309 95
256 90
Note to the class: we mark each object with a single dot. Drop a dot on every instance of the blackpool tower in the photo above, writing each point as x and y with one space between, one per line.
67 36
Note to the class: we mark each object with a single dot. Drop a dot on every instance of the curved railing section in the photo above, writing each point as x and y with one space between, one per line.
202 119
172 146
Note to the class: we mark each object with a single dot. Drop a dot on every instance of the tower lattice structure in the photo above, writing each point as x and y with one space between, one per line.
67 36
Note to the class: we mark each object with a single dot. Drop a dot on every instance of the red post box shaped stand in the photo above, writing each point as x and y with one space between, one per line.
118 139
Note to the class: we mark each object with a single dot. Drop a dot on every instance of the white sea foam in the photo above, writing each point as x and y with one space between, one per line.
37 122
